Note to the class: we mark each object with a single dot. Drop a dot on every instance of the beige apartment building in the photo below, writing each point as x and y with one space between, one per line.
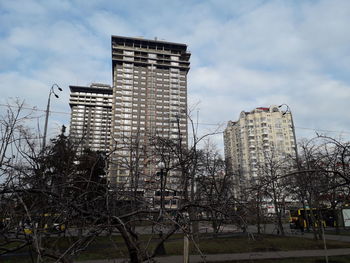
254 139
149 99
91 113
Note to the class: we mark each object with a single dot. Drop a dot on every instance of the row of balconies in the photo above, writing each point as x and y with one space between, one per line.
143 105
90 103
158 64
149 84
151 76
159 95
144 54
156 60
148 49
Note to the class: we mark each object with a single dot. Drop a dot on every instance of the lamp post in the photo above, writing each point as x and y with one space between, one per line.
293 130
52 91
161 166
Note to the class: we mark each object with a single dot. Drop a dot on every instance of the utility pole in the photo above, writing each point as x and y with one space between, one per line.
52 91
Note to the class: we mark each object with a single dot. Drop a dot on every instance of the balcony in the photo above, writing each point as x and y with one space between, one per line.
251 141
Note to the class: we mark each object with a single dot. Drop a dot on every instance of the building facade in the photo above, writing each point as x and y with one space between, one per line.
91 114
259 136
149 99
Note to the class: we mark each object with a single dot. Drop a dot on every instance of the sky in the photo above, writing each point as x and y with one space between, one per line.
245 54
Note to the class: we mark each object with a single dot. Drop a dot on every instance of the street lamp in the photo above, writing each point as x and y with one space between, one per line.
293 129
52 91
161 166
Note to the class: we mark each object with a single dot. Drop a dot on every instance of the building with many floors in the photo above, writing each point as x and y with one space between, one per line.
255 138
91 113
149 99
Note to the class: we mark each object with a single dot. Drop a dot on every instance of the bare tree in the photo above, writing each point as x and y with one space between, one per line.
336 162
271 184
313 182
64 192
214 188
12 123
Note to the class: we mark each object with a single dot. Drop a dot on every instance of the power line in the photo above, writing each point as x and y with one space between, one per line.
33 109
301 128
197 123
321 130
209 124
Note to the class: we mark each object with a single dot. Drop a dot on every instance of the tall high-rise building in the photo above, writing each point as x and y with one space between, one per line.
257 136
91 113
149 99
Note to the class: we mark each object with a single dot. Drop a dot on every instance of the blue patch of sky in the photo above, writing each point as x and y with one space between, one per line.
266 67
242 8
24 63
339 73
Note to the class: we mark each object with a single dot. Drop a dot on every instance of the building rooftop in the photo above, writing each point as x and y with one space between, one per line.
94 87
140 40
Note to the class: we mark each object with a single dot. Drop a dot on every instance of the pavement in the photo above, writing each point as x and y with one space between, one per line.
240 256
253 255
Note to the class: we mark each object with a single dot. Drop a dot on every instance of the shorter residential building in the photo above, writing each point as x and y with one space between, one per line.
91 109
258 136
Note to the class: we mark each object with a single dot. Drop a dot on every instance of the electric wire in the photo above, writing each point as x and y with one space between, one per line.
199 123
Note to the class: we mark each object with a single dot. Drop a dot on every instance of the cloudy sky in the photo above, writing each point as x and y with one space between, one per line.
245 54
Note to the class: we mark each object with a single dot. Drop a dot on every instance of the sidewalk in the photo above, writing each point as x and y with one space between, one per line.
241 256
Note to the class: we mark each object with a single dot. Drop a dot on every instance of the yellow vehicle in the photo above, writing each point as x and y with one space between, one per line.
301 218
53 223
48 223
28 230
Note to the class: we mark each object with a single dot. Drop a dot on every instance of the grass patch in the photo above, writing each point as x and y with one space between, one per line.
260 244
109 248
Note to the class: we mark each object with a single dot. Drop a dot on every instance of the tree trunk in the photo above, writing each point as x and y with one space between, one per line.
134 256
131 243
258 216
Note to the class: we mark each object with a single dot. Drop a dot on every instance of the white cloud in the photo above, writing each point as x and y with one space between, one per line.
107 24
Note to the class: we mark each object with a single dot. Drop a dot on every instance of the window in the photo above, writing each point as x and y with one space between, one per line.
150 55
125 115
128 53
129 58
